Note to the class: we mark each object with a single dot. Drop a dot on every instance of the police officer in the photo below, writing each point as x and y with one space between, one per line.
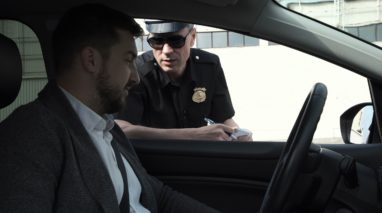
180 87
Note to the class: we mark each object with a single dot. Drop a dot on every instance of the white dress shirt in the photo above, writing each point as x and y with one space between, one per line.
99 130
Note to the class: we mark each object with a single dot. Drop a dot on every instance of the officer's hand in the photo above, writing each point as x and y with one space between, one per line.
245 138
218 132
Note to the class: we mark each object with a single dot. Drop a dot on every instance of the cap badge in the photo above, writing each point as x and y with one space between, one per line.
199 95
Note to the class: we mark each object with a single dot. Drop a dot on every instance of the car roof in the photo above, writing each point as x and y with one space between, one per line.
260 18
209 12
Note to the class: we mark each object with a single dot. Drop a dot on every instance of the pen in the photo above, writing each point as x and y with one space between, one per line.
209 121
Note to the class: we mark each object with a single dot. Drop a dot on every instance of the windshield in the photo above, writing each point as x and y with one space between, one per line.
361 18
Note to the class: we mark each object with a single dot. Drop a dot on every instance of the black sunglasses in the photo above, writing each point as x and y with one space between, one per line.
177 41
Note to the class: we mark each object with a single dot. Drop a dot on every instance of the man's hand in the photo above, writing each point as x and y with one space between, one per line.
123 124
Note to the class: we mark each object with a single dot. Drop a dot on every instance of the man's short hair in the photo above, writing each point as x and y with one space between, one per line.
92 25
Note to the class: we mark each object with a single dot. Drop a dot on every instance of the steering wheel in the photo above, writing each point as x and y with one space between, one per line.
295 151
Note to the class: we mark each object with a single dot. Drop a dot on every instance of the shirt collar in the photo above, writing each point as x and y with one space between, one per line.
192 65
90 119
165 80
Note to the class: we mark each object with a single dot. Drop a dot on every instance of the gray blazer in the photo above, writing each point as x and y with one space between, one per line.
48 163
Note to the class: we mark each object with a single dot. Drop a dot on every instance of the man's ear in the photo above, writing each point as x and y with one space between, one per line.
193 37
91 59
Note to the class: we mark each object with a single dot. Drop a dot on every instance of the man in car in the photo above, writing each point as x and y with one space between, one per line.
181 87
63 152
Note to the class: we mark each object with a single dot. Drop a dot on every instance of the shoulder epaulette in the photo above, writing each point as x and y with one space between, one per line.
201 56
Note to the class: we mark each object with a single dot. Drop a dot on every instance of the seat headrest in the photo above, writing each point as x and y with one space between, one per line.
10 71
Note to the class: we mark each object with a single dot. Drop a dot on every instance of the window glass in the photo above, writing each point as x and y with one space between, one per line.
142 44
357 17
267 96
34 74
206 37
203 40
235 39
379 32
352 30
270 43
368 33
268 83
250 41
219 39
139 43
146 45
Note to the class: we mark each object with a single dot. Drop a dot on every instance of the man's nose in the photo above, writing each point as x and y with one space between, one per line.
167 48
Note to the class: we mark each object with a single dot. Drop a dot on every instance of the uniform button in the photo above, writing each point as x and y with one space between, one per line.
197 57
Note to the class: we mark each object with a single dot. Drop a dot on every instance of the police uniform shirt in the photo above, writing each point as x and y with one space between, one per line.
161 102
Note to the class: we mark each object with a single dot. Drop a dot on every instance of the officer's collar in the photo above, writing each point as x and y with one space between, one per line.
191 65
165 80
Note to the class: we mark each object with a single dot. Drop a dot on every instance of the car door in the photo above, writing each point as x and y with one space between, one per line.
233 176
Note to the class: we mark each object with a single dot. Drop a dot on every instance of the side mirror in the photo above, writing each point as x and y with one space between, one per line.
355 123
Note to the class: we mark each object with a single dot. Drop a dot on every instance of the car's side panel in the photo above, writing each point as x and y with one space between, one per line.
229 176
366 154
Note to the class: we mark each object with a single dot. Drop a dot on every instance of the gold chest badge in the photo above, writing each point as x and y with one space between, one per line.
199 95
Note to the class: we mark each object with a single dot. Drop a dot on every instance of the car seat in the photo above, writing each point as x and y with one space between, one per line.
10 71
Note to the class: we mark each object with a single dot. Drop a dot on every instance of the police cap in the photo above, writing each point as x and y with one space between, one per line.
163 26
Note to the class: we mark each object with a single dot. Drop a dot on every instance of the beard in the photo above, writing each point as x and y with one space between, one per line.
112 98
